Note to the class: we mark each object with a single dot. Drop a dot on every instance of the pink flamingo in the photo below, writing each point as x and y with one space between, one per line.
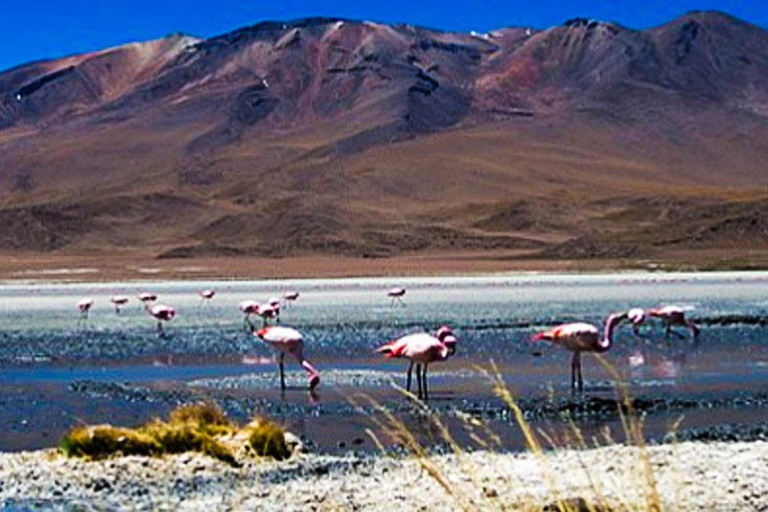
146 297
118 301
84 305
266 312
248 308
580 337
422 349
396 294
637 317
290 297
206 295
162 313
289 341
274 303
673 315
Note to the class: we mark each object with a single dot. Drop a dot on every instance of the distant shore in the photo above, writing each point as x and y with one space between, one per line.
687 476
136 266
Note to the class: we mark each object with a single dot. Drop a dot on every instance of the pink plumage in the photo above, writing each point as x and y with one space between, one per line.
581 337
287 340
422 349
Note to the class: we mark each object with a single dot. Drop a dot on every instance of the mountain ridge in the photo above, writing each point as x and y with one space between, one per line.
334 136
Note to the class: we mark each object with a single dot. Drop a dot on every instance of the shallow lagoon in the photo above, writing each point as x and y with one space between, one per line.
57 371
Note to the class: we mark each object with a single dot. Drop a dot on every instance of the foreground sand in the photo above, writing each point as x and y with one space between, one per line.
689 476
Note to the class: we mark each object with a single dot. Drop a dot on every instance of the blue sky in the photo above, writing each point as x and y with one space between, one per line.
32 30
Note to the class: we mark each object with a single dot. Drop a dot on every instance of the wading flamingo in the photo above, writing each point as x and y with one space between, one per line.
84 305
274 303
673 315
118 301
396 294
248 308
162 313
145 298
580 337
422 349
637 317
290 297
206 295
289 341
267 312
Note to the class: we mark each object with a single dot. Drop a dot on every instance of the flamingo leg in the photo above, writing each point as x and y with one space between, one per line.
581 379
408 380
574 362
424 376
282 371
160 331
418 381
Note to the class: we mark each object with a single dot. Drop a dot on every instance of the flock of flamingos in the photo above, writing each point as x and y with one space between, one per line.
420 349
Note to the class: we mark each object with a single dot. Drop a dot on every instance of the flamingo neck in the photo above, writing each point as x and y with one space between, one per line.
610 324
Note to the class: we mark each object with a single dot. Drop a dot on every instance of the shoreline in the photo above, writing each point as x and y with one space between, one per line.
134 266
687 476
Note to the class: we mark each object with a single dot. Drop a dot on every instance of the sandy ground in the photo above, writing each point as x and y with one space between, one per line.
131 265
687 476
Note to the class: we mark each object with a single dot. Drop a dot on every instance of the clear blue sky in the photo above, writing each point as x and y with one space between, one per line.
37 29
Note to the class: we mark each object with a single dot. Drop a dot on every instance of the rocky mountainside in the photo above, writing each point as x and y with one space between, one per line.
338 136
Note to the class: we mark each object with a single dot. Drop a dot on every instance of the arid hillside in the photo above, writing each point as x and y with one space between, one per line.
338 137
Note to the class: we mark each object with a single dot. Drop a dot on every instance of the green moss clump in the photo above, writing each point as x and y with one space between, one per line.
102 441
268 440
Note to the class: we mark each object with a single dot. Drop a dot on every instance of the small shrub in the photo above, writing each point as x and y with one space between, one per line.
268 440
102 441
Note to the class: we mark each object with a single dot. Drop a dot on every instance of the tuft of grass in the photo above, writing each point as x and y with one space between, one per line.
101 441
188 437
205 416
204 413
201 428
267 439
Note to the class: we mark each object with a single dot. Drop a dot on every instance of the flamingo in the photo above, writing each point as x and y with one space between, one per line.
206 295
422 349
290 297
274 303
396 294
162 313
289 341
248 308
146 297
119 300
637 317
84 305
673 315
580 337
266 312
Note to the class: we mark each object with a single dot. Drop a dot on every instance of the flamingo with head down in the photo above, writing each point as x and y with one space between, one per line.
206 295
289 341
85 305
161 313
673 315
396 294
119 301
581 337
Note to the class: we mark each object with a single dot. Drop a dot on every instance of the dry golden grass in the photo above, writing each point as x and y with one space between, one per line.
201 428
267 439
593 499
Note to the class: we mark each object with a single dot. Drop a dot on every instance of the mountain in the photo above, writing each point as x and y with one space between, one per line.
329 136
